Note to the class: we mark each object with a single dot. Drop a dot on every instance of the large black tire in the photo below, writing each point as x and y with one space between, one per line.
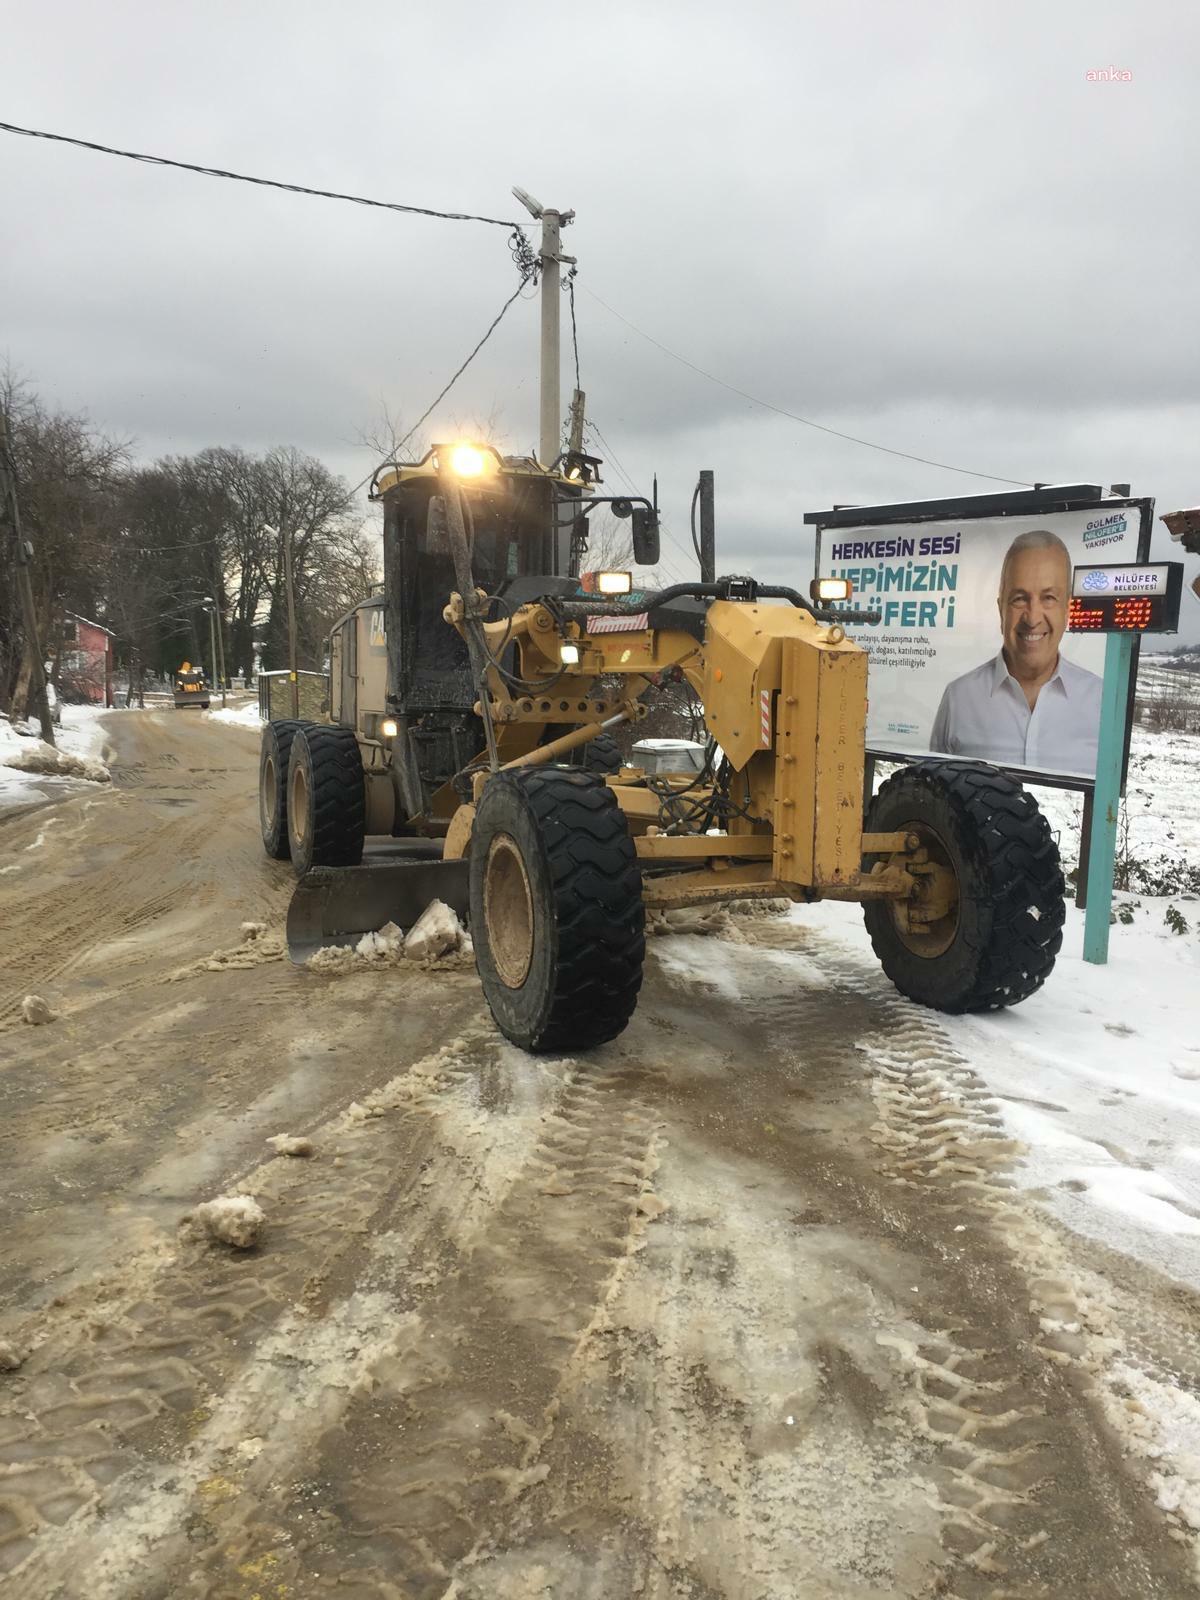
999 944
273 761
327 800
601 755
556 909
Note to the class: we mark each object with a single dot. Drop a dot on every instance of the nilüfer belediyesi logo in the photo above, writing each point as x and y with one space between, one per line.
1096 582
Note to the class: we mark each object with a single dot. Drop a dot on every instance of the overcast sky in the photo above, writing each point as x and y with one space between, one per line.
917 223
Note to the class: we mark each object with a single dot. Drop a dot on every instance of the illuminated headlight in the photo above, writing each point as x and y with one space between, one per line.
389 728
569 655
614 582
827 589
467 461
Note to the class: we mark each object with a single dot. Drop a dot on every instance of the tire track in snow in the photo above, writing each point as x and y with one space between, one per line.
1032 1486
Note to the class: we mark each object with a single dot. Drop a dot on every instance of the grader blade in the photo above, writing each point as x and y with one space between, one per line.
337 905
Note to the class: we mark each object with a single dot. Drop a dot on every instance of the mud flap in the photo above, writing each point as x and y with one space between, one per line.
337 905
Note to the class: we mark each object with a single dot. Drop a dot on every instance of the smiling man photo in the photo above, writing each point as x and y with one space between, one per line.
1027 706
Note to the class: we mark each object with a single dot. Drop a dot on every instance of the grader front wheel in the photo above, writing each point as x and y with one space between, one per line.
985 921
556 909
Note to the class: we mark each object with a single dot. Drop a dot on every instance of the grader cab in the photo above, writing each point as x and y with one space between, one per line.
476 768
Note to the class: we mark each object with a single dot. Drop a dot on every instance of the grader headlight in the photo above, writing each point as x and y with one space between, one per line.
469 461
614 582
826 590
568 654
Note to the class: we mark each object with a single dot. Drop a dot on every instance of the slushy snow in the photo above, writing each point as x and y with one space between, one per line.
234 1219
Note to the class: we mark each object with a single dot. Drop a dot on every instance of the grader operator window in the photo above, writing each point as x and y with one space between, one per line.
512 530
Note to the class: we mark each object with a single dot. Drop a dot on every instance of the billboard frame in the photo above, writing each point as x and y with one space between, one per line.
1038 500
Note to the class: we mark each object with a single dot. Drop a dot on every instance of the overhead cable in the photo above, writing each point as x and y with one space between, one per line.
268 183
806 422
396 448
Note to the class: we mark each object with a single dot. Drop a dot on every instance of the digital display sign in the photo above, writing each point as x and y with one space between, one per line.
1126 599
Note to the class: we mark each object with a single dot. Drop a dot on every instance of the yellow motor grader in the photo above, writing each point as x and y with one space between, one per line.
488 802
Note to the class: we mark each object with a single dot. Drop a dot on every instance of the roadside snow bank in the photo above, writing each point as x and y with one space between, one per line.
48 762
241 716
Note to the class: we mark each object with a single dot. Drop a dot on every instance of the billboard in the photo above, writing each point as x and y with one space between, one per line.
970 656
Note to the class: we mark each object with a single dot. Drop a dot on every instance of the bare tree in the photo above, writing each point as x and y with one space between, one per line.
65 468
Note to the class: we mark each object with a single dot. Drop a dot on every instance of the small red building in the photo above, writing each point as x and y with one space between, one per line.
85 668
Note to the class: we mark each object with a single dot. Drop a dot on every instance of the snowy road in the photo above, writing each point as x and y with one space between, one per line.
749 1305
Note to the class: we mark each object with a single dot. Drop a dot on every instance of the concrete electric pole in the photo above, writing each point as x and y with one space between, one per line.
290 588
210 607
216 628
550 429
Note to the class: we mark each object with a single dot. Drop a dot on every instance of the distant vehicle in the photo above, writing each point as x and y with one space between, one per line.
668 755
191 687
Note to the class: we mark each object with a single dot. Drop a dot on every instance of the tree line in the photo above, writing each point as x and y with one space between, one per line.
143 549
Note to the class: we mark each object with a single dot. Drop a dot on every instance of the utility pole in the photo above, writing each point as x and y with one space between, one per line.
220 642
23 551
293 674
549 433
210 606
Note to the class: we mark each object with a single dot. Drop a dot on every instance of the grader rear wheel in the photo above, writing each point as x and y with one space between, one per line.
556 909
273 761
985 923
327 806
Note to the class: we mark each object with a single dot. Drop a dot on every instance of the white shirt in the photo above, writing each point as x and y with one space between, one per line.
985 714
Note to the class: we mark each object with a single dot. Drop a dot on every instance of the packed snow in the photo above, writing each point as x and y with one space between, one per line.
31 771
243 716
1098 1074
233 1219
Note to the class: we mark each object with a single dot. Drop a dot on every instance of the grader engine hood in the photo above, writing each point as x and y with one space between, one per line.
785 696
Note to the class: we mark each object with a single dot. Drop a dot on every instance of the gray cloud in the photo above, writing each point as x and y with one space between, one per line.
921 224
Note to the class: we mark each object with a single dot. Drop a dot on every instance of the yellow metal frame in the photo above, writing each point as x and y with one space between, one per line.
785 695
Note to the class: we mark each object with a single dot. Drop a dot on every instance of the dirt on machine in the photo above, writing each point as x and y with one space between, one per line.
470 757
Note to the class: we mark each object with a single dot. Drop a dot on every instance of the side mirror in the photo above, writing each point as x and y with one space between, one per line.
645 537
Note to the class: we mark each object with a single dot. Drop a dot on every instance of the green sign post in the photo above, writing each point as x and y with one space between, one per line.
1114 706
1122 602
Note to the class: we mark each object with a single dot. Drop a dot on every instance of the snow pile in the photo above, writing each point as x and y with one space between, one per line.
35 1011
234 1219
245 716
51 763
388 941
256 948
437 932
284 1144
437 938
1163 1422
719 919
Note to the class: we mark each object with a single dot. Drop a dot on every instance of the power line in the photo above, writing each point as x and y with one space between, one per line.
569 286
268 183
806 422
396 448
